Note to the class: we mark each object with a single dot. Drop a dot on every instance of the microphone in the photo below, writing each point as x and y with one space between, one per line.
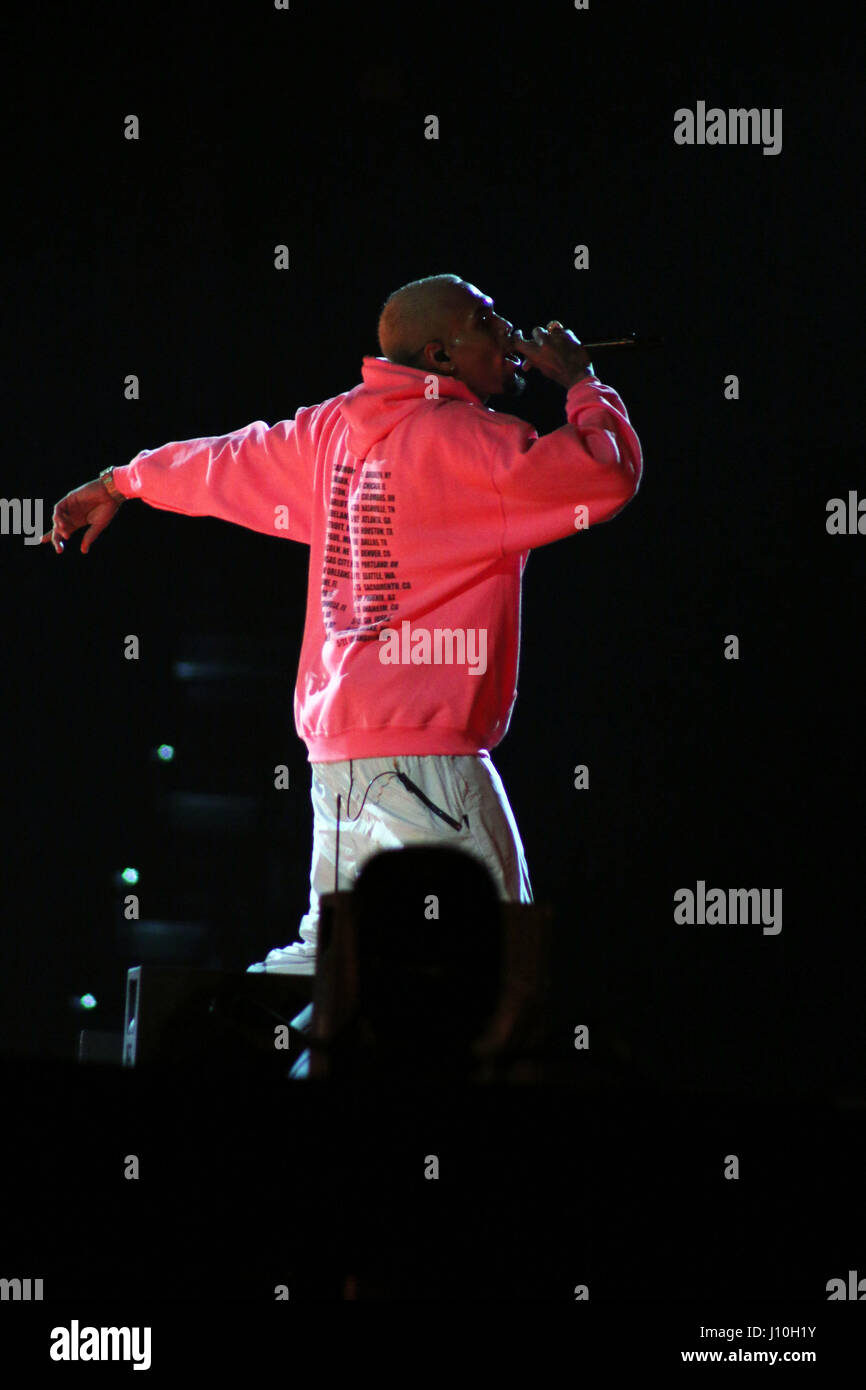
633 340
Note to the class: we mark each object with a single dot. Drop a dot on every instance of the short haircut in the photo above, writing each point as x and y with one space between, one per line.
414 314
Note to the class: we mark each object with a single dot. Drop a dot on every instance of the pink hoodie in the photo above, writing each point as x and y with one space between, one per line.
420 511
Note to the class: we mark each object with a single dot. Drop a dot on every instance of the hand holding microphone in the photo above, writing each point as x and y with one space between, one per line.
558 354
555 351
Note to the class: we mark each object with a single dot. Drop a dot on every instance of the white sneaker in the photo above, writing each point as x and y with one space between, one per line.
297 959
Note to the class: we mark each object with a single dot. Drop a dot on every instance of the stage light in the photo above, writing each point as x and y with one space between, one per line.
165 753
82 1003
129 875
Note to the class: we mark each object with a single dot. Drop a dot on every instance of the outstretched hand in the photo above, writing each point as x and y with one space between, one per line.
90 506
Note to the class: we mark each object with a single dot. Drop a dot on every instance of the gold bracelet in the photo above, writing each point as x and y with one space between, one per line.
106 477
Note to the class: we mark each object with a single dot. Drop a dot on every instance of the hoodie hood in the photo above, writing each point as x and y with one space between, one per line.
385 396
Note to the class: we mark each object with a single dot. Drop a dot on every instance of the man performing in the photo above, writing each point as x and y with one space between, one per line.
420 506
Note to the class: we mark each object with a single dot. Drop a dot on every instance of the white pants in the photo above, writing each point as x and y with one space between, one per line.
378 812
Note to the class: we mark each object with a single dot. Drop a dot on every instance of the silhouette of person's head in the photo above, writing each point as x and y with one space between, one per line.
429 953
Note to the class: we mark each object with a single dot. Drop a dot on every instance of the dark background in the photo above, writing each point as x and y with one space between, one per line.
155 257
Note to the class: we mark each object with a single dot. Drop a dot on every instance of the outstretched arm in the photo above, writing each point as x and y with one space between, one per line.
260 477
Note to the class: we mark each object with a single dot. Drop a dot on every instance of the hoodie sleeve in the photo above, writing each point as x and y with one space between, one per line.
260 476
577 476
